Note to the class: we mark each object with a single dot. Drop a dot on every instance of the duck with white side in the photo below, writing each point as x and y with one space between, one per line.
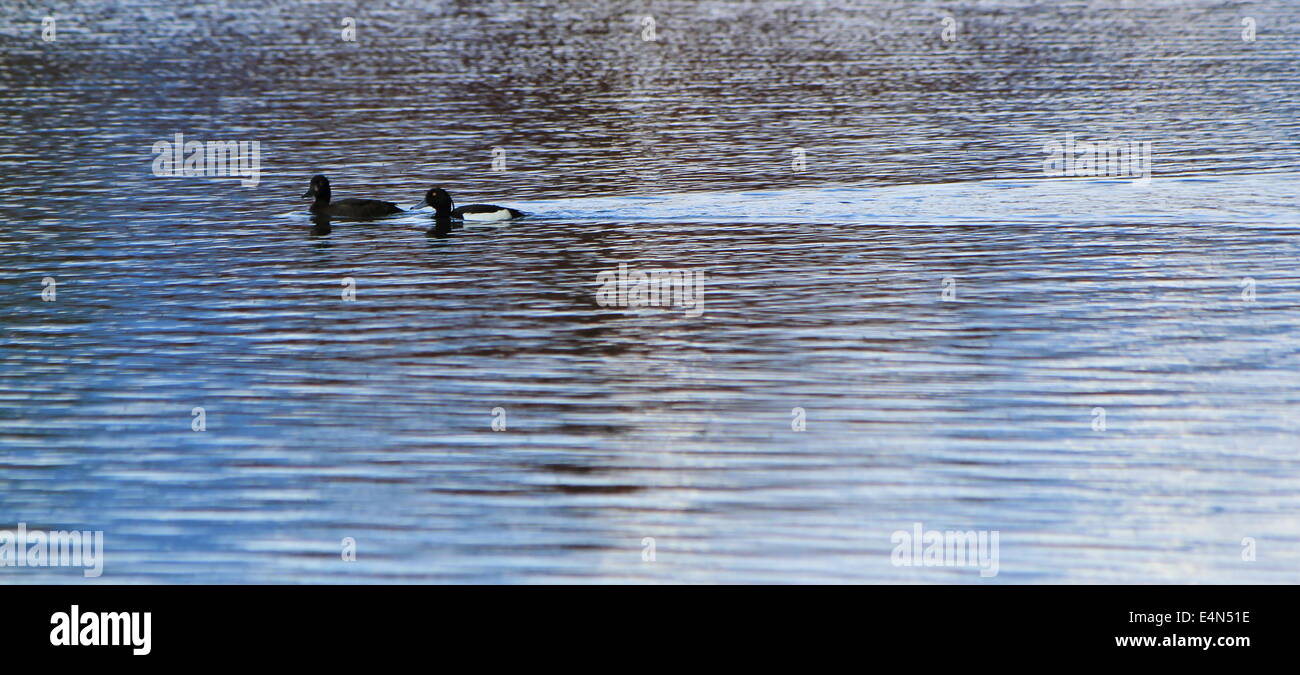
444 207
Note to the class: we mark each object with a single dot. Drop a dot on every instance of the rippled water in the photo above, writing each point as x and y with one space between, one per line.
1173 307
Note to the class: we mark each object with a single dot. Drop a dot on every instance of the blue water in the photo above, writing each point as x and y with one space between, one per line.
948 319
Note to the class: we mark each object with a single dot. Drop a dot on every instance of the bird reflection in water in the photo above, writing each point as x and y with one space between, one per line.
320 225
441 228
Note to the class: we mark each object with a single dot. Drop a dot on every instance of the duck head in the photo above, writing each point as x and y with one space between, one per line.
320 189
439 200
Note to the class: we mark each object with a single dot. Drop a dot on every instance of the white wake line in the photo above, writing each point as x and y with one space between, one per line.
1235 197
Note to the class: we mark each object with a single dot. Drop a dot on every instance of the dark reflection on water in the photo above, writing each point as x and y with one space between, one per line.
374 418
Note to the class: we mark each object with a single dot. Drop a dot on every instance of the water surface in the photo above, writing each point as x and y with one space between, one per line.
1174 307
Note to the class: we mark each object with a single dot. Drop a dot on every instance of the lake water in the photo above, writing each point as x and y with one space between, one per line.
904 320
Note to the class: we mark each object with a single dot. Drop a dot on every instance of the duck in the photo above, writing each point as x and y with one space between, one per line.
444 207
363 209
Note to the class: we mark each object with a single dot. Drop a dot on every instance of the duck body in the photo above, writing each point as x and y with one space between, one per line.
360 209
444 207
486 213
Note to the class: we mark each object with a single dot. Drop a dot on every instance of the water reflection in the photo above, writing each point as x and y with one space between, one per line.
442 227
320 225
477 415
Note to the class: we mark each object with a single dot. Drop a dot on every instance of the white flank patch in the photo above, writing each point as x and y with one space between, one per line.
503 214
